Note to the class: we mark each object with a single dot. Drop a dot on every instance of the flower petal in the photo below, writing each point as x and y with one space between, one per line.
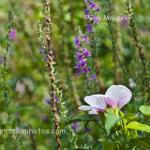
96 101
85 107
93 112
111 102
120 94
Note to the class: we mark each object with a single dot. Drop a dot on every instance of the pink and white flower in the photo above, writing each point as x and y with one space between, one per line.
116 96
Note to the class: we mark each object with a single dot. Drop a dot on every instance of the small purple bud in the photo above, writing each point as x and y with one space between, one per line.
89 28
92 77
42 51
97 9
12 34
75 126
77 41
56 99
86 11
86 129
48 101
44 118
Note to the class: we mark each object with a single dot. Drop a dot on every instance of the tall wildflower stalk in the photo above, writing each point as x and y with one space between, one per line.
135 35
145 84
47 50
85 44
7 47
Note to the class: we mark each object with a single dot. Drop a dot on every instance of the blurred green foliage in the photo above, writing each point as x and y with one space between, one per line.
27 77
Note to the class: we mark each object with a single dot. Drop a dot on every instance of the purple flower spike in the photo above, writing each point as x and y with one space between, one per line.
82 63
12 34
91 14
116 97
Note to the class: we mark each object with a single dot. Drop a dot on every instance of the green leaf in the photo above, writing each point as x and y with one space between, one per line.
145 110
138 126
111 120
130 117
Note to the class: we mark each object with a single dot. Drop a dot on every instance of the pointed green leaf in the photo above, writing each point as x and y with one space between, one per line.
138 126
145 110
111 120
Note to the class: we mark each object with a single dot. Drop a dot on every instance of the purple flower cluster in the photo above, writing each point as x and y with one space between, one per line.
82 54
90 14
81 41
